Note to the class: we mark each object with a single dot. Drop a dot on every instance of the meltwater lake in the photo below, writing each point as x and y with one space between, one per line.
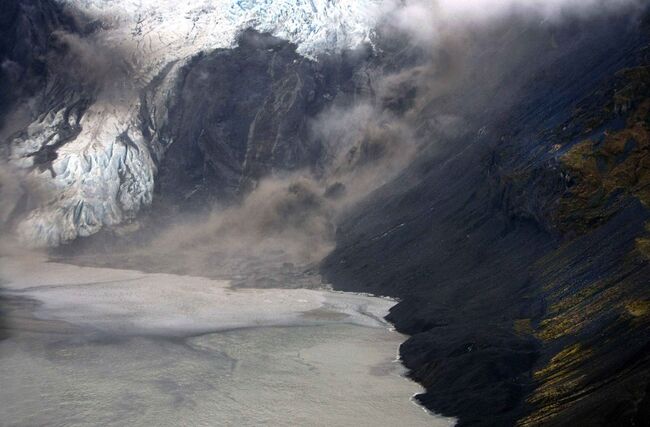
97 346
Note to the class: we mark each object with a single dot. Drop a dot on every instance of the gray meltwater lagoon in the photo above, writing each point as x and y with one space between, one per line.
95 346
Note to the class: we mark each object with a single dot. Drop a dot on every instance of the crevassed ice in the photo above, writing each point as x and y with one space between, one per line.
315 25
101 178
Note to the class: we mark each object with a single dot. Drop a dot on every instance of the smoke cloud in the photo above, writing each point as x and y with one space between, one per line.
426 20
18 194
455 59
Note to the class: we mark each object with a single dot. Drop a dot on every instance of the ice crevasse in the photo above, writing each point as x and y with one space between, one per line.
103 173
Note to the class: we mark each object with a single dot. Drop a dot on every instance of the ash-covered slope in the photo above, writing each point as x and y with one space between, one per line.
520 250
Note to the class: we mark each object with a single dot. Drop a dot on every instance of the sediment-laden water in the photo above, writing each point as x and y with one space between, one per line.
92 346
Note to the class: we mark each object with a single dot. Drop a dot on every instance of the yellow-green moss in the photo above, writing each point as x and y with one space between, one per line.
566 303
601 169
604 174
643 243
570 314
643 246
557 381
638 308
567 358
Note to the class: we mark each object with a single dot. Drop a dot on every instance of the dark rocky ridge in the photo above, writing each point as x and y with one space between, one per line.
24 34
523 275
26 45
244 114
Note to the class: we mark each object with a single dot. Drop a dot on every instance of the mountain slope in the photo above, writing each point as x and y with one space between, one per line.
519 254
83 142
509 162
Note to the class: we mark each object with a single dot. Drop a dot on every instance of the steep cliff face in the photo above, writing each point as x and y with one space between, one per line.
519 254
245 113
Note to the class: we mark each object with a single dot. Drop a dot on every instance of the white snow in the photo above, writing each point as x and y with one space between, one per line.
171 28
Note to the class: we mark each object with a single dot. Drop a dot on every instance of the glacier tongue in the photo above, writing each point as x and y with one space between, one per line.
103 171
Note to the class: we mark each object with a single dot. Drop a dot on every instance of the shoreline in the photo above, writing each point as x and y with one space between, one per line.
307 319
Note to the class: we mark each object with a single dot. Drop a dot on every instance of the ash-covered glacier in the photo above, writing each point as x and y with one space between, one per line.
86 145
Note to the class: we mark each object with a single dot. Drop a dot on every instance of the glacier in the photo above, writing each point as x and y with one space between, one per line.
104 168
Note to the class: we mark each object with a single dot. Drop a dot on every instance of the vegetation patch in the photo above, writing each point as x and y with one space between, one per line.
639 308
604 171
558 382
570 314
611 162
643 243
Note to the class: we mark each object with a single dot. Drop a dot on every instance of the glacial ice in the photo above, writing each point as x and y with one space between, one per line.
105 174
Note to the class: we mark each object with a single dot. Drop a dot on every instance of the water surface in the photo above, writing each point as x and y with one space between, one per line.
93 346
